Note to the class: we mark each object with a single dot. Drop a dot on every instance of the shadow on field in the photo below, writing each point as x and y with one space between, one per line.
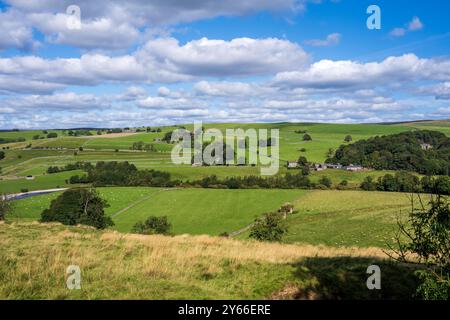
343 278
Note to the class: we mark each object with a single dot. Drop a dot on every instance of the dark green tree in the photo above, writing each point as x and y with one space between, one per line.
153 225
426 237
271 227
325 181
78 206
348 138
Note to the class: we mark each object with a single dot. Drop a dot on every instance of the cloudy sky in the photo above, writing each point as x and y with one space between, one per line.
149 62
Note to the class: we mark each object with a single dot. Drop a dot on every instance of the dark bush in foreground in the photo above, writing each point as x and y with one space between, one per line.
426 235
5 206
153 225
78 206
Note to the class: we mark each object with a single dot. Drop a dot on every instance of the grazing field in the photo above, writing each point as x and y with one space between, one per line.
347 218
332 218
34 259
98 148
49 181
193 211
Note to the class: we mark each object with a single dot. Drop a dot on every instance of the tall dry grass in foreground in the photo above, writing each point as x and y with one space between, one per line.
34 258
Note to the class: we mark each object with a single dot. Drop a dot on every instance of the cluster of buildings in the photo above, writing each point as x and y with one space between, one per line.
324 166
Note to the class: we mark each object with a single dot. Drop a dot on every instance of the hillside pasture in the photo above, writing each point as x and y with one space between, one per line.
192 211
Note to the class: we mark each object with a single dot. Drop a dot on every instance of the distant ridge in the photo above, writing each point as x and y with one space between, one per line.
410 122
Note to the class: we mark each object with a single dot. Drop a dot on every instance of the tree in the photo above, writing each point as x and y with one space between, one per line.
426 236
302 161
307 137
368 184
78 206
305 170
5 206
348 138
153 225
52 135
269 228
167 137
325 181
139 145
330 153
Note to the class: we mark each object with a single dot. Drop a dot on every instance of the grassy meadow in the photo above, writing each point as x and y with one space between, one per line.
191 211
122 266
333 235
322 217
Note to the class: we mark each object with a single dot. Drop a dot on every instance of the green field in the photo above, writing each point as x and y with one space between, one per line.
347 218
333 218
193 211
19 162
48 181
332 235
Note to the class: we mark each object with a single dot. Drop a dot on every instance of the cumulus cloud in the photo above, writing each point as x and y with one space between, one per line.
219 58
331 40
231 89
349 74
133 93
15 33
102 33
414 25
58 102
163 61
440 91
148 12
115 24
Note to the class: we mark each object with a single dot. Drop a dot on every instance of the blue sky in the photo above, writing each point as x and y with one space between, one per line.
154 62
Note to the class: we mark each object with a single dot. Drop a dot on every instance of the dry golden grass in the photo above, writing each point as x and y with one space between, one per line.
116 265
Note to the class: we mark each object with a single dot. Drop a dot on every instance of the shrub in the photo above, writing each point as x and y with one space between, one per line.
153 225
307 137
348 138
325 181
368 184
270 228
78 206
2 155
52 135
426 235
5 206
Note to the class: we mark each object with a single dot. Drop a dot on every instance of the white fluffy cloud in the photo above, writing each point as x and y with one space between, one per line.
163 60
414 25
441 91
14 32
115 24
58 102
148 12
219 58
331 40
347 74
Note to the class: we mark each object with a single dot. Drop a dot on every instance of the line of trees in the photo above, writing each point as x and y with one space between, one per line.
407 182
123 174
80 165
